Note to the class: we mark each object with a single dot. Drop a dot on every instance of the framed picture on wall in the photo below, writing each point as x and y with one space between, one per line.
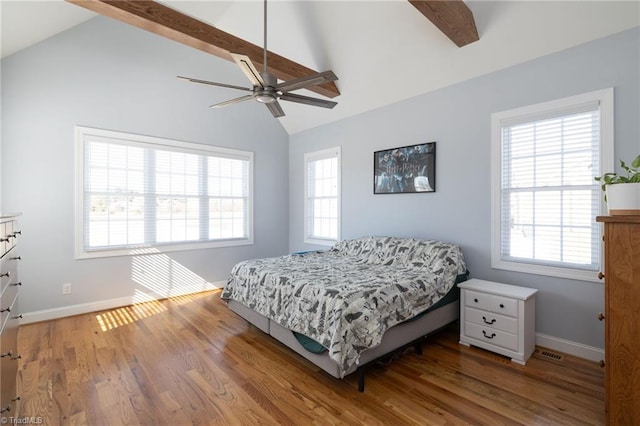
407 169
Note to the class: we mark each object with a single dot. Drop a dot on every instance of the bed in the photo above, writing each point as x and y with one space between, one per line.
348 306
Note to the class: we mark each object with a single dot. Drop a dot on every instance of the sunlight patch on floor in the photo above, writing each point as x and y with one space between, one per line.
145 308
129 314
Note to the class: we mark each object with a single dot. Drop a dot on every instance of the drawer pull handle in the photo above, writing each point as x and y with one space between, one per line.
5 310
16 284
488 322
475 300
6 274
4 240
16 357
17 317
501 306
600 275
17 233
15 258
600 316
6 354
5 409
484 333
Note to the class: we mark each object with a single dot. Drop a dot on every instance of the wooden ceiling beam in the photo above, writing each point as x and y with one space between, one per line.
162 20
452 17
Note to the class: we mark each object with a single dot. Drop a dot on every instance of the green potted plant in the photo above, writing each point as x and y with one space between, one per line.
622 190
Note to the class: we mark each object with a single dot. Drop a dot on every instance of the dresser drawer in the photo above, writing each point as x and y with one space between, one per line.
492 303
8 304
10 235
491 320
7 237
8 269
3 238
492 336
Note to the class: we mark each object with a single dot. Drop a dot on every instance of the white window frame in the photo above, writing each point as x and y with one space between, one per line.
308 158
84 133
536 112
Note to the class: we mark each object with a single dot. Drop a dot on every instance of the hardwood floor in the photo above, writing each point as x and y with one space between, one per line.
189 360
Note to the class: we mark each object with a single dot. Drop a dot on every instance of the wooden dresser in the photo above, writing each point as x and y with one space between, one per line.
9 315
622 318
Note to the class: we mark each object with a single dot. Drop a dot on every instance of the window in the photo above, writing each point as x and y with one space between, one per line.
545 200
322 197
138 191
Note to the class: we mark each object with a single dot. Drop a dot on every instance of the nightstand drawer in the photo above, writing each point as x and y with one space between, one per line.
492 320
492 336
504 306
493 303
477 300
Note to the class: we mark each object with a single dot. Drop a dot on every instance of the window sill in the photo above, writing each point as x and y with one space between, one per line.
552 271
320 242
161 248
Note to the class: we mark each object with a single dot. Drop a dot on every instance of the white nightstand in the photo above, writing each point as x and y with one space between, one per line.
498 317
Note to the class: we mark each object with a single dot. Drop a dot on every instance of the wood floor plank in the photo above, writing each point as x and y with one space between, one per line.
533 392
446 403
190 360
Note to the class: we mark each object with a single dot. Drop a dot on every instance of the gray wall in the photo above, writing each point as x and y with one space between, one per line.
458 119
109 75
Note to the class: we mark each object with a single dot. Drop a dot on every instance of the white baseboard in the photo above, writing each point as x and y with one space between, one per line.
102 305
569 347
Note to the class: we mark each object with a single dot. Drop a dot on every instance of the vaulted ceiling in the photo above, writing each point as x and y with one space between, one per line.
382 51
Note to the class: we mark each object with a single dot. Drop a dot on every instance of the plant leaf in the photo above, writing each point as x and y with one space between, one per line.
624 166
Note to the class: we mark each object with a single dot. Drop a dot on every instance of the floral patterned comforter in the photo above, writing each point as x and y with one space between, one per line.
347 297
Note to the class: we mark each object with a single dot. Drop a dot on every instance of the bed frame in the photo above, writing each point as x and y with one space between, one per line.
396 338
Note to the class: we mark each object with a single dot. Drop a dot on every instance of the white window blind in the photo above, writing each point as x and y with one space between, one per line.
138 191
547 196
322 196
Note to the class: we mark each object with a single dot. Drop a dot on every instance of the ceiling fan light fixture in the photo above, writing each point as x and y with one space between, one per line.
266 98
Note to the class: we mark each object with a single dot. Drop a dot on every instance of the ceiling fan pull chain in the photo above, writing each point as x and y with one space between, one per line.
264 59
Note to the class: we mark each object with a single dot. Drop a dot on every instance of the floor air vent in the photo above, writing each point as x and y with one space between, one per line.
544 353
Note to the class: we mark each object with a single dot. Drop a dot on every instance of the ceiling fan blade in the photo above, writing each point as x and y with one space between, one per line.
312 80
248 69
275 109
229 86
232 101
307 100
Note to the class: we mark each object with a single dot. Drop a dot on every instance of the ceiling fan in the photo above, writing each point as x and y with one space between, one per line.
266 88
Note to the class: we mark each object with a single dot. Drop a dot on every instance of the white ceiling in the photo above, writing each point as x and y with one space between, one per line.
382 51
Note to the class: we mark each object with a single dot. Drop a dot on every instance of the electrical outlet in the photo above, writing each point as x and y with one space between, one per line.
66 288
